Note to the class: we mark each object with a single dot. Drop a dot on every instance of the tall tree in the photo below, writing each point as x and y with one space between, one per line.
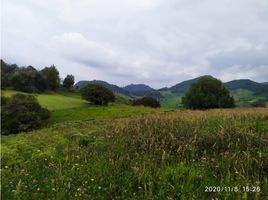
6 71
51 77
68 82
208 93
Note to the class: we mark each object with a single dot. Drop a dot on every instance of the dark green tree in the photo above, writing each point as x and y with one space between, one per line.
24 78
68 82
97 94
51 77
146 101
6 71
207 93
22 113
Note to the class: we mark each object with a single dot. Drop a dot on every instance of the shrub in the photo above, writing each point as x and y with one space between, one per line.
259 103
97 94
208 93
146 101
22 113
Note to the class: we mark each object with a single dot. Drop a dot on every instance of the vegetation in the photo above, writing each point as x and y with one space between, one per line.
55 101
68 82
28 79
160 156
92 112
97 94
259 103
146 101
207 93
21 113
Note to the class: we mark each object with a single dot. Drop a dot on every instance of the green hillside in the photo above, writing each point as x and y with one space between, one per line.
54 101
70 107
170 100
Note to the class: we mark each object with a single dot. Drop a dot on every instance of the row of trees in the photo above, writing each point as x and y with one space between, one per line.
29 79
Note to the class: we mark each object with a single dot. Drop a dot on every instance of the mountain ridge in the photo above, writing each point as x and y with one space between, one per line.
138 90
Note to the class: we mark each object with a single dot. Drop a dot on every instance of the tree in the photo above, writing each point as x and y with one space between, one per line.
68 82
97 94
6 71
22 113
51 77
24 78
208 93
146 101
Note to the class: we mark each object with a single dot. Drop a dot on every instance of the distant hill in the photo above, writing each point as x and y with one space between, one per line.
243 90
246 84
143 90
231 85
112 87
138 89
132 90
184 86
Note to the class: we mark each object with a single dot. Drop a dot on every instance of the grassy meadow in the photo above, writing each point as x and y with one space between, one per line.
54 101
124 152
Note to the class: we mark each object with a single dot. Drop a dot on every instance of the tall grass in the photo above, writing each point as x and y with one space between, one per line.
172 155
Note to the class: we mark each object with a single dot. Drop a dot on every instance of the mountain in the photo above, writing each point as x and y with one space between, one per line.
112 87
246 84
244 90
184 86
138 89
143 90
131 90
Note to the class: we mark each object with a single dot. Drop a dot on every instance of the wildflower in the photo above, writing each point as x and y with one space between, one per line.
92 179
38 189
78 189
99 187
6 167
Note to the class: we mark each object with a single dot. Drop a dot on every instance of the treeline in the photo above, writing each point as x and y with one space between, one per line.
29 79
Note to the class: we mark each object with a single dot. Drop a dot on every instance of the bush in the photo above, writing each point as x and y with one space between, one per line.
208 93
259 103
22 113
97 94
146 101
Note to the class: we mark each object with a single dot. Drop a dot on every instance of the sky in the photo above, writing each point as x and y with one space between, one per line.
155 42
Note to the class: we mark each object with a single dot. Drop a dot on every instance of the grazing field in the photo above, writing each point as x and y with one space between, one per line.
55 101
167 155
92 112
171 100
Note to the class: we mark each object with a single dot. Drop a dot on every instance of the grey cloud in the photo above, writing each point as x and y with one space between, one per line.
157 42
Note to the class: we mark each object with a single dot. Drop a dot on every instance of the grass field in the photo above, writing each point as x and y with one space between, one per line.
66 107
55 101
171 100
92 112
167 155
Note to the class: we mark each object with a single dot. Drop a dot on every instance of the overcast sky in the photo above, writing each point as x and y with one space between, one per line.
156 42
